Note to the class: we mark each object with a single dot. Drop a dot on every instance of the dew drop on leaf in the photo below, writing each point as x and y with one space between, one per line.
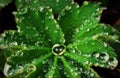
19 53
58 49
95 54
45 68
60 66
57 1
44 61
13 43
41 8
104 57
85 3
50 61
38 43
113 62
30 68
8 70
23 10
68 7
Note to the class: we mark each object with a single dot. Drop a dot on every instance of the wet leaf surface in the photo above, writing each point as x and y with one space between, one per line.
43 47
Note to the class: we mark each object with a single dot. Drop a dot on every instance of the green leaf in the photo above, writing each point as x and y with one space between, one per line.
40 4
87 16
40 26
54 71
75 69
4 3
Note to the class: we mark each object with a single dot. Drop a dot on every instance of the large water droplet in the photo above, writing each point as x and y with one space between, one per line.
58 49
8 70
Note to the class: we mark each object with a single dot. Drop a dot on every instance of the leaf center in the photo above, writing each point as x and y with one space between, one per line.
58 49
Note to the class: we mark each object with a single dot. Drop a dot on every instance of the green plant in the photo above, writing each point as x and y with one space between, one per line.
66 47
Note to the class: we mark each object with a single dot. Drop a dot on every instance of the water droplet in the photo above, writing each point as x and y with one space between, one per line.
68 7
113 62
95 54
45 68
60 66
23 10
30 68
58 49
19 53
57 1
104 57
50 61
8 70
41 8
38 43
85 3
105 44
13 43
44 61
91 74
49 40
88 30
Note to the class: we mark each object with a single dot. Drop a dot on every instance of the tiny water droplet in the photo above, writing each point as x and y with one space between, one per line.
57 1
50 61
105 44
60 66
30 68
68 7
13 43
38 43
95 54
45 68
41 8
19 53
88 29
23 10
91 74
44 61
85 3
